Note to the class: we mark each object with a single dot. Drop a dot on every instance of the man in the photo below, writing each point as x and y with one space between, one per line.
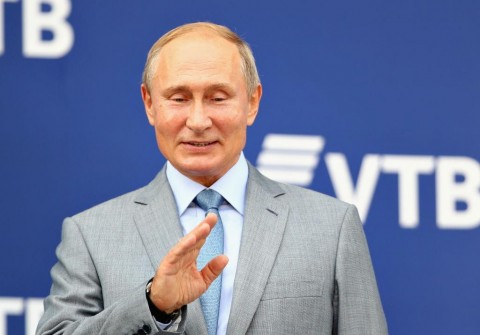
293 262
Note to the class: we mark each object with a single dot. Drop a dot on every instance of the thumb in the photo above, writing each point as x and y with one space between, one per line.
214 268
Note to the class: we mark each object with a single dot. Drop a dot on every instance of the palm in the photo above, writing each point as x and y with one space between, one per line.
178 281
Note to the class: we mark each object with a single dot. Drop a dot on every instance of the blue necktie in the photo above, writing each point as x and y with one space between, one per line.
210 201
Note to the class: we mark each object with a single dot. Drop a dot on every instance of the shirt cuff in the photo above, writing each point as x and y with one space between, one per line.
172 326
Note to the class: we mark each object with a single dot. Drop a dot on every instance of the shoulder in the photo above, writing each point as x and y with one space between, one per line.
318 207
299 196
305 206
120 209
306 195
117 206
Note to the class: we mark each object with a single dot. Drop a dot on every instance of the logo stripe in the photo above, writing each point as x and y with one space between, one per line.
290 159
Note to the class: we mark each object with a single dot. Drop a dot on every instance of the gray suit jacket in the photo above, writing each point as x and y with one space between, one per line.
304 266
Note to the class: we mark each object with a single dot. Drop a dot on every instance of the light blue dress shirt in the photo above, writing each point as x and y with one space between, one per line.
232 186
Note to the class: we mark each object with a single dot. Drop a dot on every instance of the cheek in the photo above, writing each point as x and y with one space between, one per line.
168 122
237 135
230 130
165 132
235 121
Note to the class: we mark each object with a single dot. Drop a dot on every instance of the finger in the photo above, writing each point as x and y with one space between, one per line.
193 241
211 219
214 268
189 242
201 233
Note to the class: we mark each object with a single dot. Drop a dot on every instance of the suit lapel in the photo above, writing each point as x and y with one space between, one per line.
263 228
159 226
157 219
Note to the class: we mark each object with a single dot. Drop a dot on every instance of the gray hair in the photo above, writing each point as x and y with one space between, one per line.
249 68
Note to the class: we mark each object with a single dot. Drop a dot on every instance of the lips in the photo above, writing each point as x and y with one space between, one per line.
203 144
199 144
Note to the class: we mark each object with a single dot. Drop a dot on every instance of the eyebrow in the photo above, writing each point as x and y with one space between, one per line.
185 88
174 89
220 86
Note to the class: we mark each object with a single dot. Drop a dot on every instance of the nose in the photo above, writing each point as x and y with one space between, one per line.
198 119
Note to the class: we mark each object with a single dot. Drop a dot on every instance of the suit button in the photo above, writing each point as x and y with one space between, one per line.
147 329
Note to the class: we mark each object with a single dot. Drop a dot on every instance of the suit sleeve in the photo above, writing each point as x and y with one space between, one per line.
357 302
75 304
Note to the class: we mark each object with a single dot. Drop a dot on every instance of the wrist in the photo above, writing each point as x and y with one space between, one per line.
159 315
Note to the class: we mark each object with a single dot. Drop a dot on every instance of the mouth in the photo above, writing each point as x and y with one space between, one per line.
200 144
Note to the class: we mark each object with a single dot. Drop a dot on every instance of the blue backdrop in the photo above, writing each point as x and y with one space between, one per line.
383 98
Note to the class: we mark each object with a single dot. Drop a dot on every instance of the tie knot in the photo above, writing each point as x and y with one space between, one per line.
209 200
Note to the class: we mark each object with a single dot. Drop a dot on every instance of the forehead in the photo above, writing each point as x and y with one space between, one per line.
196 51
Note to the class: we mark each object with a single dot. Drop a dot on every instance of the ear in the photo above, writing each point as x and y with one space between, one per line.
147 102
254 104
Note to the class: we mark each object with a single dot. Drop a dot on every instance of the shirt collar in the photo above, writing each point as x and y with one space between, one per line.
232 186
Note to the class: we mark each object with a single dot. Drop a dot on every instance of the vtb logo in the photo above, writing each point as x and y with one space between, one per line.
293 159
46 32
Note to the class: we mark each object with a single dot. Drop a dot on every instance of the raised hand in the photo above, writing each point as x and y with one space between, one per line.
177 281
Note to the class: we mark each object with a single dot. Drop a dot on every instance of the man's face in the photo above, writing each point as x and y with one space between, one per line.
199 106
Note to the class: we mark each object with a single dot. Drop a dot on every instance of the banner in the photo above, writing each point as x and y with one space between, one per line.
376 103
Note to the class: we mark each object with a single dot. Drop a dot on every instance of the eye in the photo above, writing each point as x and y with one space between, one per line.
218 97
178 98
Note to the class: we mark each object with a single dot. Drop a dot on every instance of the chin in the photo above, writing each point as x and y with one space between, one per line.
199 168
